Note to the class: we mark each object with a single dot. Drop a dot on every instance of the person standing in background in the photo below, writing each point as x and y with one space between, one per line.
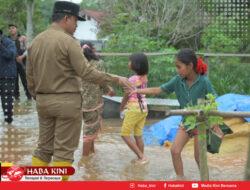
8 74
92 102
21 43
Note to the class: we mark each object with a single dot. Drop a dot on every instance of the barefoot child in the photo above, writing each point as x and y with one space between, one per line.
189 85
92 102
136 107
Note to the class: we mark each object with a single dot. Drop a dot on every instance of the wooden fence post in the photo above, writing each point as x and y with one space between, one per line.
247 172
204 175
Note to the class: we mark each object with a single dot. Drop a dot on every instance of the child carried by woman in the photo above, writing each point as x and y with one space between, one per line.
92 102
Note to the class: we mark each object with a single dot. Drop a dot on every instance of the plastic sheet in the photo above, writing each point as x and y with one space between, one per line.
234 102
166 129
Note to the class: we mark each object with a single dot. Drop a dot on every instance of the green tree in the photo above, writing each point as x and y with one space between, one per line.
46 8
179 23
12 11
15 11
30 12
90 4
142 26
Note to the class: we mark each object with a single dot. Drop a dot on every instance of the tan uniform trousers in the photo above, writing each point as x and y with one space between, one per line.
60 121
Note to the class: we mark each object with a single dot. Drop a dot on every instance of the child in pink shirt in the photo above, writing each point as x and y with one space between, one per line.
136 107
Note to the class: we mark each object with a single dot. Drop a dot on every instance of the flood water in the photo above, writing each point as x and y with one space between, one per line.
112 160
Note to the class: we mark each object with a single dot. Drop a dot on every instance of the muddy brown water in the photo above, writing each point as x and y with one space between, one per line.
112 160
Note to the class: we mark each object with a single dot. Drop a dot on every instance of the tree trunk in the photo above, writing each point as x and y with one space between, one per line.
30 11
206 59
204 175
247 173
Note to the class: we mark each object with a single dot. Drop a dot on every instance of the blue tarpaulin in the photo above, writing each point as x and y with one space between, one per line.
159 132
234 102
166 129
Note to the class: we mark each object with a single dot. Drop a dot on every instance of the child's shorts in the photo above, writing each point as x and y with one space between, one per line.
191 133
133 122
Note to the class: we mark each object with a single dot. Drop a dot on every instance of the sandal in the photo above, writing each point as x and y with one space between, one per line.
144 162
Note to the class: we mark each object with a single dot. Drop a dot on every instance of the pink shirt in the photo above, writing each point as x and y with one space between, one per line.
133 103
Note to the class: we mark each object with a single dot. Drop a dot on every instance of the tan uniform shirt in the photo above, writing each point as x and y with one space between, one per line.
56 64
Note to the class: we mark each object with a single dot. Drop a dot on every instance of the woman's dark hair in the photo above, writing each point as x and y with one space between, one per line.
139 63
187 56
83 42
89 53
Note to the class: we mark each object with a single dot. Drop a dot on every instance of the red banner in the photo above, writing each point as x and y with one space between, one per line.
129 185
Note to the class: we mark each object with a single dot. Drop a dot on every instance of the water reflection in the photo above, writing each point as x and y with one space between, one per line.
112 160
14 143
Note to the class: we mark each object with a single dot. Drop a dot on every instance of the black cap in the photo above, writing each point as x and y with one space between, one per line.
68 8
9 25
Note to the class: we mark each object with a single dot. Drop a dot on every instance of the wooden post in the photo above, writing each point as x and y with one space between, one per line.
247 172
212 112
204 175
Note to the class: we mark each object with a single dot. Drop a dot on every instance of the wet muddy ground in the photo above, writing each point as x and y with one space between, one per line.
112 160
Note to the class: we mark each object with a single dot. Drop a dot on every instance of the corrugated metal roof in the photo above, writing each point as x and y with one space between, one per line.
96 15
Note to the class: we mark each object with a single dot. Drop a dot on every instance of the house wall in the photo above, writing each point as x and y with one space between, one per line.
86 30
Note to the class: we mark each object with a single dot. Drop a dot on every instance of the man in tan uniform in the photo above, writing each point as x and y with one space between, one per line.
55 67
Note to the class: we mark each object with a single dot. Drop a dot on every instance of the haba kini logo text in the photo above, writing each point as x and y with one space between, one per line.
16 173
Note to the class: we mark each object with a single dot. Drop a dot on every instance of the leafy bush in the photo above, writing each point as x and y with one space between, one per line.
131 38
230 78
161 68
228 74
221 38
